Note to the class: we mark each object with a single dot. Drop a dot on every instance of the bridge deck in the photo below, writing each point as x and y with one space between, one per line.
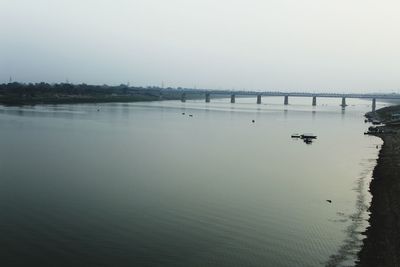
293 94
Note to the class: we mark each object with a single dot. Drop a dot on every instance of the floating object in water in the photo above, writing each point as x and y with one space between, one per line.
308 141
308 136
253 121
328 200
98 109
183 113
190 115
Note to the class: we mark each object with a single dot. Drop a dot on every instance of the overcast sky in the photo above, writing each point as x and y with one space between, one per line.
314 45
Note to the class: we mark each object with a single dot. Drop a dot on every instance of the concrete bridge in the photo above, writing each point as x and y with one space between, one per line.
286 95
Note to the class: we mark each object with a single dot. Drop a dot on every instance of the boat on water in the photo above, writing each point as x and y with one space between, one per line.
308 136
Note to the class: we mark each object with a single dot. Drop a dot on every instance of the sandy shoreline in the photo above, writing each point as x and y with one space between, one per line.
381 247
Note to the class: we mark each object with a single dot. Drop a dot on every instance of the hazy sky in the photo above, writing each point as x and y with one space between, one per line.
341 45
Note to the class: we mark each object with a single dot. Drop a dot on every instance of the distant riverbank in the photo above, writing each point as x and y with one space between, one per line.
18 94
381 247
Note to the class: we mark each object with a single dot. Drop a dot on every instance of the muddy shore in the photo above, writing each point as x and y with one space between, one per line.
381 247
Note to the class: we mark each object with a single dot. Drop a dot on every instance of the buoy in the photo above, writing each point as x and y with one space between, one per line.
253 121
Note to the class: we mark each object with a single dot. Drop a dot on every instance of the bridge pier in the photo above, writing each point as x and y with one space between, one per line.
286 101
207 97
373 104
233 98
183 97
343 102
314 101
258 99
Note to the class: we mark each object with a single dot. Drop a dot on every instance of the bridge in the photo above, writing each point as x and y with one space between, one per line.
286 95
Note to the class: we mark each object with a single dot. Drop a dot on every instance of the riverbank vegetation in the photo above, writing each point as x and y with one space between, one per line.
65 93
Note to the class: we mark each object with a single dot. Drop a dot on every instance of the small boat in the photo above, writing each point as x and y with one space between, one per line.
308 136
295 135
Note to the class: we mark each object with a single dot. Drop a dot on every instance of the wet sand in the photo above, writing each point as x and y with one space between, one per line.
381 247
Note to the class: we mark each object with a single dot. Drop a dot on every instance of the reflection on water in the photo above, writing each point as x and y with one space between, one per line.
141 184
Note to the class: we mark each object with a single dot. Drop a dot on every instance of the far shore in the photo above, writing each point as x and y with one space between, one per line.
381 247
19 94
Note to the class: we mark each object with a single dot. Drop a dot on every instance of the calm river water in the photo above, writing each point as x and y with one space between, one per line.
140 184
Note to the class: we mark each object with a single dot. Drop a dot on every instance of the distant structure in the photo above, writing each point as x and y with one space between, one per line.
286 95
